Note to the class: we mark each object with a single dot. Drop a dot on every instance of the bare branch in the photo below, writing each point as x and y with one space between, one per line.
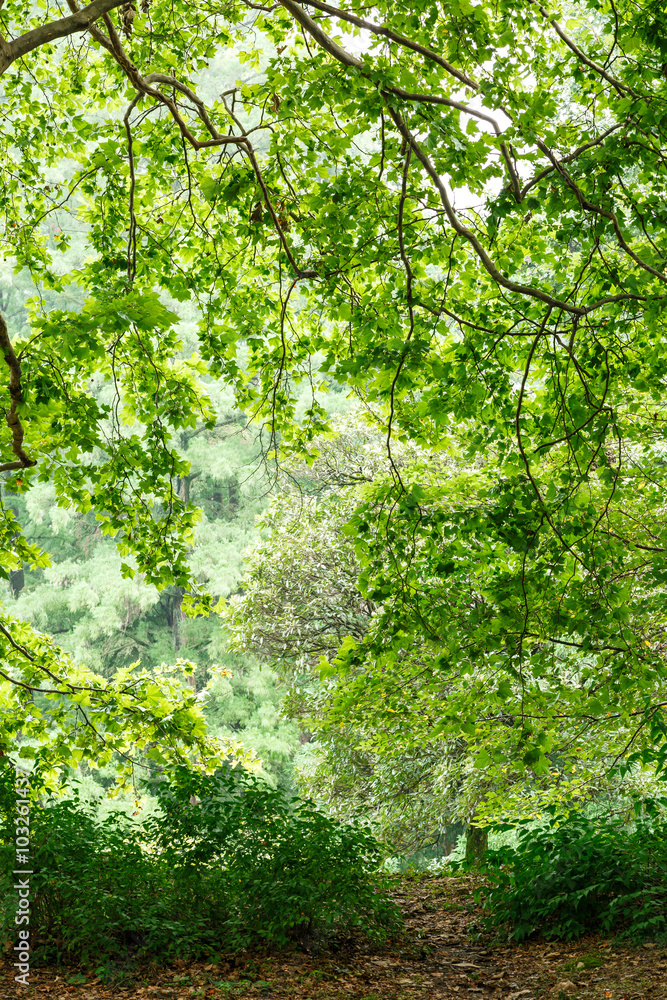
10 466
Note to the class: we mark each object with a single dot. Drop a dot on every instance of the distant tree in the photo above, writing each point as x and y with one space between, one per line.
409 739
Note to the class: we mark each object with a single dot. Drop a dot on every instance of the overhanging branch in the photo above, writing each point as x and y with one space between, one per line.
81 20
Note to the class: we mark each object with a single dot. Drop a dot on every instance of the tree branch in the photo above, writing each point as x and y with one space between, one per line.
349 60
394 36
621 88
469 236
15 392
604 212
98 35
81 20
569 157
143 86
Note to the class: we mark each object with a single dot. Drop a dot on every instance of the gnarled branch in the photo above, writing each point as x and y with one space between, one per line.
15 392
80 20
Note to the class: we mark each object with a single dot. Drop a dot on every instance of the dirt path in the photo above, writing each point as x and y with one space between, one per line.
441 955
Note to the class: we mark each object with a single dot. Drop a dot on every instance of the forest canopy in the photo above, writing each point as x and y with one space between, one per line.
457 212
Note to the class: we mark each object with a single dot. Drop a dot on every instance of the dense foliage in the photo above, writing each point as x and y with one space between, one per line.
303 597
109 622
226 862
456 211
583 874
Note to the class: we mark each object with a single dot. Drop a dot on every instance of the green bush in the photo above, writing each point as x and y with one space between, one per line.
226 862
583 874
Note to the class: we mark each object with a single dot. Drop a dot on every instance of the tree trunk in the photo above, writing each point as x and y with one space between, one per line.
176 615
477 842
16 581
183 484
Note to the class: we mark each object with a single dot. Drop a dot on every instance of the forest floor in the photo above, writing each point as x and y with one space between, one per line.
441 955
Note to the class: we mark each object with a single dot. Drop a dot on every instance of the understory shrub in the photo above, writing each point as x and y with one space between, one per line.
226 862
581 874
